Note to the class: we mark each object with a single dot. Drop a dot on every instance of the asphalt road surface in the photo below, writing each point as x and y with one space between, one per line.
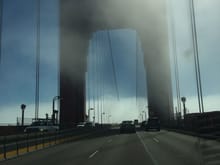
147 148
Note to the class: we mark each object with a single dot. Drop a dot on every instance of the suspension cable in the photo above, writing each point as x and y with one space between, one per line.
136 68
97 75
37 91
176 67
196 57
113 64
1 25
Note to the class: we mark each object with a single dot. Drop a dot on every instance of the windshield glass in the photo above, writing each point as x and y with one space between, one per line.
110 81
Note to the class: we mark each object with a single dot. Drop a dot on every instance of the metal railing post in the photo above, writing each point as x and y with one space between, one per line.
17 148
35 141
43 139
4 147
55 138
27 142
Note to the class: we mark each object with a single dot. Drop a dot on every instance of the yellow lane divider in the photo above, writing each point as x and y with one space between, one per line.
24 150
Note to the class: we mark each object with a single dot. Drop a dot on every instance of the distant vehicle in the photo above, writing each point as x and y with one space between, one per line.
153 123
41 126
136 122
127 127
143 124
85 125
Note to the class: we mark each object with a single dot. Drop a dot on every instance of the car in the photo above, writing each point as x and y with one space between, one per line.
81 124
85 125
143 124
153 123
136 122
41 126
127 127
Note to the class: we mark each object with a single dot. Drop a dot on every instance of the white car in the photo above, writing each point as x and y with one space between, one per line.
85 125
41 126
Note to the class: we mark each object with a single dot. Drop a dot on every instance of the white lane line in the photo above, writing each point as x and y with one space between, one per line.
156 140
147 150
93 154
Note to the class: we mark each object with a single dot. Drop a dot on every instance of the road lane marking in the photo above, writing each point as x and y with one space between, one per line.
93 154
147 150
156 140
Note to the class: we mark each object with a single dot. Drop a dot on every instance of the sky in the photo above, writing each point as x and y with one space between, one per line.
123 92
17 68
207 24
17 82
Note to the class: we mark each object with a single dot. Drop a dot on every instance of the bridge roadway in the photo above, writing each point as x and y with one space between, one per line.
150 148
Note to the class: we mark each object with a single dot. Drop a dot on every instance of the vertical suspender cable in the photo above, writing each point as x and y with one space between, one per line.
105 56
138 104
1 25
113 64
196 57
58 62
93 72
94 75
102 75
176 67
136 68
37 60
88 76
97 76
100 72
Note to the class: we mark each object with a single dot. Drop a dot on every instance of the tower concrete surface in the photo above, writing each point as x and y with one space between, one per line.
79 19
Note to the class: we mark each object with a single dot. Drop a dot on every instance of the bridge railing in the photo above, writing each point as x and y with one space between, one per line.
200 124
15 145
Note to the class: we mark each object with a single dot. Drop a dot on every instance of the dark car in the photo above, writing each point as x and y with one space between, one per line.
153 124
127 127
143 124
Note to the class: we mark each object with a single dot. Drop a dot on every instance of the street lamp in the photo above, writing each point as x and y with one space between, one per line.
55 112
183 99
145 114
102 121
109 118
141 116
23 106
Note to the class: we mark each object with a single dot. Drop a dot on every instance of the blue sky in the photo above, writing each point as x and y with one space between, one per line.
17 70
18 57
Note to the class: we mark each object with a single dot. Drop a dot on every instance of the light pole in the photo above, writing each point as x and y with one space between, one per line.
141 115
109 118
55 112
145 115
23 106
89 112
183 99
102 121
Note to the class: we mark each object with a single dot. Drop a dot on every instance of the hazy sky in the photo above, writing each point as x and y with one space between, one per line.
17 70
208 24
